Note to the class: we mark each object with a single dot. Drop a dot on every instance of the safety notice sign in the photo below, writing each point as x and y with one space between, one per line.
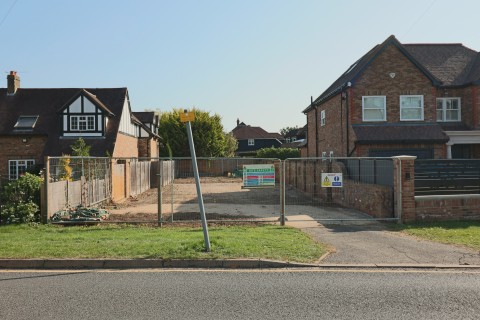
332 180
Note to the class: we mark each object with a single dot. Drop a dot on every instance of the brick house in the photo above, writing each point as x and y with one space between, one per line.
401 99
35 123
250 139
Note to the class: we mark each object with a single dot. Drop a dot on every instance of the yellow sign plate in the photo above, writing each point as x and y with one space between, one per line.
187 116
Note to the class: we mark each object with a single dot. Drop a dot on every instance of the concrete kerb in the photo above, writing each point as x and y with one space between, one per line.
64 264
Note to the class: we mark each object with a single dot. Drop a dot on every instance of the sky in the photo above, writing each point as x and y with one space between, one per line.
259 61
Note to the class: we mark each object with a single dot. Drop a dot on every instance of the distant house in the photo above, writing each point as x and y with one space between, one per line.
148 122
401 99
295 138
35 123
250 139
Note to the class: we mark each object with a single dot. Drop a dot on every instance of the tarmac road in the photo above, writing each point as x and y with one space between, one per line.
257 294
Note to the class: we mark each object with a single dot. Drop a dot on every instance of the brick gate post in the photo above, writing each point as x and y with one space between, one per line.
404 188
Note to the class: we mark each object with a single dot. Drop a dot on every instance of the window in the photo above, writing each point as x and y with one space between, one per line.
82 123
25 123
251 142
17 168
411 108
448 109
322 118
288 140
294 139
374 108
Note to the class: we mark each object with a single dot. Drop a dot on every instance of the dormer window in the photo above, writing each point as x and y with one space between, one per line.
83 118
25 123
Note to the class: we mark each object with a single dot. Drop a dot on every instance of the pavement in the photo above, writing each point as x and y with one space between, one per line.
364 245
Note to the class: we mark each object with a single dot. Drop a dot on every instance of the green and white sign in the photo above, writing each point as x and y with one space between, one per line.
258 175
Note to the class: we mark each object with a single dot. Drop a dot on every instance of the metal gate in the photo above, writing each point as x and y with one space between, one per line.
339 189
239 189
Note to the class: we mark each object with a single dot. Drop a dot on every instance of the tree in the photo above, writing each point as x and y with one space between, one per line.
286 130
208 135
80 148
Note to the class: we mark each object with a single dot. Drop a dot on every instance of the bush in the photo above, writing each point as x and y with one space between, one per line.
21 200
278 153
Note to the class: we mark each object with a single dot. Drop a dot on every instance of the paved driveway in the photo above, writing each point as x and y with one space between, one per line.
374 243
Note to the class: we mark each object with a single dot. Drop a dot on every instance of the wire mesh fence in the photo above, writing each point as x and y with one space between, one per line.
226 192
339 189
77 181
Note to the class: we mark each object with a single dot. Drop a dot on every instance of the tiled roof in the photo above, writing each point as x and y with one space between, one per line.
443 64
145 116
450 63
47 102
388 133
241 132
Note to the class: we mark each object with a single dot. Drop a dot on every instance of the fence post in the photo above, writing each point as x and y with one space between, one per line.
159 190
282 192
44 207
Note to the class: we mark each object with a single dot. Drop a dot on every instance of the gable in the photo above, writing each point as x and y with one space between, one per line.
82 118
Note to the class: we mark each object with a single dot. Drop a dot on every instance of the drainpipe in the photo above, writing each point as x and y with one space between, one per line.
347 114
316 126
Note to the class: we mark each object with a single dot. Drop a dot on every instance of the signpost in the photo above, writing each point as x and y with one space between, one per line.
188 117
258 175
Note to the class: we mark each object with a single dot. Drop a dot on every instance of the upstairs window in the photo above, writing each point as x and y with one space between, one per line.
411 108
448 109
251 142
17 168
322 118
82 123
374 108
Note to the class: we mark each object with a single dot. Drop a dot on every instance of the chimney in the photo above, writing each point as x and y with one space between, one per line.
13 82
238 122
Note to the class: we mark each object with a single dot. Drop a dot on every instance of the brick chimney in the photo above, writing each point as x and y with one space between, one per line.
13 82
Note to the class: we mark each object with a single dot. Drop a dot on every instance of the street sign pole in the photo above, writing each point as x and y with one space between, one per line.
188 118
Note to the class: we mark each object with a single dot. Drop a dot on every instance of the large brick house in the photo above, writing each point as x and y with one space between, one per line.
401 99
250 139
35 123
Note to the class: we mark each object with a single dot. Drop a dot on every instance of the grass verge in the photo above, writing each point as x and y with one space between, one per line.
128 242
465 233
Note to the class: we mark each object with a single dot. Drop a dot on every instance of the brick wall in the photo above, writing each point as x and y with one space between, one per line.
13 148
448 208
125 146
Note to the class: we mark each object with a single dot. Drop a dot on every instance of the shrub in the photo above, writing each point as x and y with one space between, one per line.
278 153
21 200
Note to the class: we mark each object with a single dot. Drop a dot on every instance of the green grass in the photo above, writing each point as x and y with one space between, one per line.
124 241
465 233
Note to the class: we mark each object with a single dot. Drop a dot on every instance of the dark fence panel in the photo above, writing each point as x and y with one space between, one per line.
444 177
374 171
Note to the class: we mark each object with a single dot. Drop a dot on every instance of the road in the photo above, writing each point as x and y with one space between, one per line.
229 294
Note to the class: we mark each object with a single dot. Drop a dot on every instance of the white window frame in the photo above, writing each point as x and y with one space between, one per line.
384 109
251 142
415 108
76 127
444 109
22 163
322 118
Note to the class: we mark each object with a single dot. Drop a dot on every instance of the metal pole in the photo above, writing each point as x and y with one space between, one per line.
199 189
282 192
159 191
172 180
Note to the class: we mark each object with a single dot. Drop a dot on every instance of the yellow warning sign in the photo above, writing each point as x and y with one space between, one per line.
187 116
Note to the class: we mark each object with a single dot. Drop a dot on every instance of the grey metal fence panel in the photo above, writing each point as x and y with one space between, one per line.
362 189
223 191
77 181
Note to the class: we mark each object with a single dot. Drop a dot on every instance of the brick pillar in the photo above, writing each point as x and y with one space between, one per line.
404 188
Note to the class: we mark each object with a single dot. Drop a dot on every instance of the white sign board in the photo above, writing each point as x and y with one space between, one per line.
332 180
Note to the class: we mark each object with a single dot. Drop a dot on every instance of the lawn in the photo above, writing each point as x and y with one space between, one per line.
465 233
128 242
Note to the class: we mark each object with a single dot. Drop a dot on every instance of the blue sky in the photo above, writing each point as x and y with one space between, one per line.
256 60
